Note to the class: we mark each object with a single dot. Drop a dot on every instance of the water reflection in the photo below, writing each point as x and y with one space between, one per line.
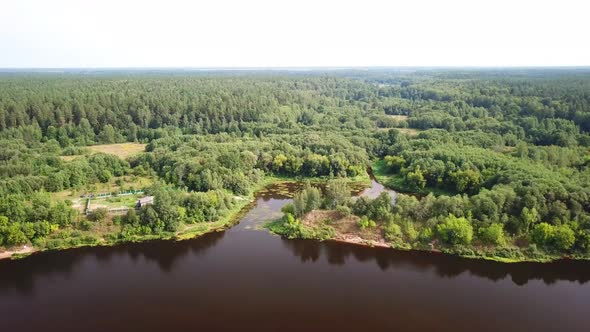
20 275
443 266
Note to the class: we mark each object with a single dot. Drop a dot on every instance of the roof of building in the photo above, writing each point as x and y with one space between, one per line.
146 200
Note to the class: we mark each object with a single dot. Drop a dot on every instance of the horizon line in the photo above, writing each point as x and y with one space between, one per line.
302 68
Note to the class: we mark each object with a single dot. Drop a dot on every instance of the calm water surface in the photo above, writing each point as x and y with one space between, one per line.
246 279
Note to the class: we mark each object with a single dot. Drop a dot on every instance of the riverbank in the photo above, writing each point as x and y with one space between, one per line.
330 225
188 231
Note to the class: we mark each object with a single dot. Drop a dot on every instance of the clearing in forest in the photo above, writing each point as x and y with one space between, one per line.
121 150
409 131
405 131
398 117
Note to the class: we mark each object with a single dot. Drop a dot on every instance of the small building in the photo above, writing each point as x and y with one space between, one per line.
147 200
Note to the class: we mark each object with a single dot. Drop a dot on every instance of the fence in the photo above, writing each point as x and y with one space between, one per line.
120 210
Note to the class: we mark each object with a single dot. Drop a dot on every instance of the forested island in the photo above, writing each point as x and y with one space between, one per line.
485 163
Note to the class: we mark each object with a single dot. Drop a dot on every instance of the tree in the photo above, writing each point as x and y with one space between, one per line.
529 217
455 231
393 233
306 200
149 217
104 176
394 163
13 207
542 234
560 237
15 235
131 217
62 214
416 178
365 222
108 135
563 237
278 162
98 215
466 180
167 211
493 234
3 229
336 193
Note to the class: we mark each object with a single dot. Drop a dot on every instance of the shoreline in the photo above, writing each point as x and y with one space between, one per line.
358 241
190 231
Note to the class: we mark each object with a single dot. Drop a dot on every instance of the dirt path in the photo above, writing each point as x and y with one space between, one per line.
23 250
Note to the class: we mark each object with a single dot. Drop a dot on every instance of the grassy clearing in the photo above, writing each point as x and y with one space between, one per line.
405 131
121 150
115 202
69 158
78 203
409 131
397 117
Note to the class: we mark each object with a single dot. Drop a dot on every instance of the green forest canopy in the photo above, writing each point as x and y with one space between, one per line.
494 145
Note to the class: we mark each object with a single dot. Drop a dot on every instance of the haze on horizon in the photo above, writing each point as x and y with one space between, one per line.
302 33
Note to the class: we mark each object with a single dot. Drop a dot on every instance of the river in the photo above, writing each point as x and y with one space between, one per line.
247 279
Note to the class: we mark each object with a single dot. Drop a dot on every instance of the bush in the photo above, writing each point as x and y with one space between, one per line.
343 211
393 233
493 234
560 237
98 215
85 225
512 253
293 228
365 222
583 241
542 234
455 231
288 208
394 163
409 231
563 237
425 235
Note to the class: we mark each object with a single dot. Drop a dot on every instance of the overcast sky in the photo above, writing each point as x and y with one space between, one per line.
285 33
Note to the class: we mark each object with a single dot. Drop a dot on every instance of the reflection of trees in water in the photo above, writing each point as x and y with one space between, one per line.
21 274
307 251
444 266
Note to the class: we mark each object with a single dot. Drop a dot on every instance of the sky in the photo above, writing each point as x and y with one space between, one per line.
293 33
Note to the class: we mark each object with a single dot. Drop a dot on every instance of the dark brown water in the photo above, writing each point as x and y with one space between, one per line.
246 279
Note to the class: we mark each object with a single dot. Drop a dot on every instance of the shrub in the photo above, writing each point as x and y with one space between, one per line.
393 232
343 210
493 234
560 237
425 235
455 231
409 231
365 222
98 214
563 237
288 208
85 225
542 234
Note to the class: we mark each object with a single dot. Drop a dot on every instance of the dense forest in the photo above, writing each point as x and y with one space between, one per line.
493 160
